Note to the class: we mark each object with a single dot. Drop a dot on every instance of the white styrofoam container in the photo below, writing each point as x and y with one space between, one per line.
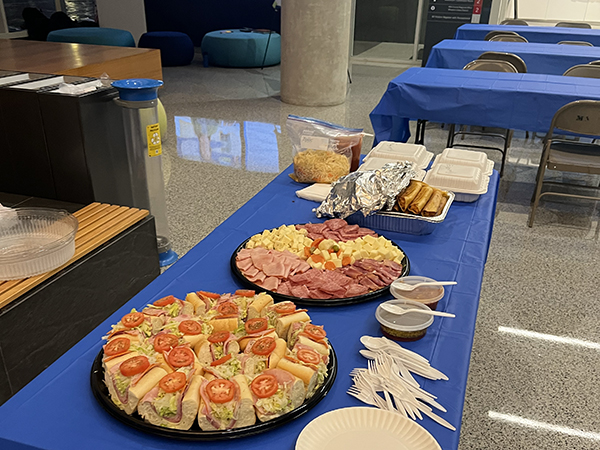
469 158
378 163
399 151
467 183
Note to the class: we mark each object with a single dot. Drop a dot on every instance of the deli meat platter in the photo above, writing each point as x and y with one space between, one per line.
320 264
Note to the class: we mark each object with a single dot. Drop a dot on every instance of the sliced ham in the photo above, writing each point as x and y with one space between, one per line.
275 268
259 259
244 264
251 272
270 283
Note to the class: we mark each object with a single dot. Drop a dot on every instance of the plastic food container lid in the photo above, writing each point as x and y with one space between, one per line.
406 322
465 158
399 151
463 179
423 294
378 163
35 241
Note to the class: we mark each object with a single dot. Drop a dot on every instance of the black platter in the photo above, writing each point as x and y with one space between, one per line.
313 301
195 433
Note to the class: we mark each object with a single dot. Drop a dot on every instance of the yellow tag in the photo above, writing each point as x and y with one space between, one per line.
154 143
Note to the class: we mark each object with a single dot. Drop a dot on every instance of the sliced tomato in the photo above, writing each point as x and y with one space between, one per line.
220 391
218 336
309 356
222 360
181 357
165 342
209 294
172 382
245 292
314 332
117 346
132 320
227 309
134 365
190 327
256 325
264 346
264 385
284 308
165 301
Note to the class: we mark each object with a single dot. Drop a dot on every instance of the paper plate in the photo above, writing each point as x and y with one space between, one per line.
363 428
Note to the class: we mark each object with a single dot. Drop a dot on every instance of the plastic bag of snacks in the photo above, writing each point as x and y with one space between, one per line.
322 151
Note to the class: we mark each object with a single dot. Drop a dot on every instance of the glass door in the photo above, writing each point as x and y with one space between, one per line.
388 31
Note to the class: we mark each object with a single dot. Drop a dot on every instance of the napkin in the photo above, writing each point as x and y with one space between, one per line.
316 192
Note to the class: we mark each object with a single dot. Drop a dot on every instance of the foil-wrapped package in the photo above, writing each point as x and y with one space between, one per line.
367 191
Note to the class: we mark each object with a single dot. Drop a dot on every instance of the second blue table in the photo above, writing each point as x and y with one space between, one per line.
517 101
551 59
548 35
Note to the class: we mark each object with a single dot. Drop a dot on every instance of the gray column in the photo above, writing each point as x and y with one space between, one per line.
315 41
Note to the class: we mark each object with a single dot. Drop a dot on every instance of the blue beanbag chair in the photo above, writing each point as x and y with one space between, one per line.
236 48
176 49
95 36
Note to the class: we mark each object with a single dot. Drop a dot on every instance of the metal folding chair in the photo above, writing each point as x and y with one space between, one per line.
513 22
583 71
508 38
508 57
488 66
581 118
491 34
573 25
586 44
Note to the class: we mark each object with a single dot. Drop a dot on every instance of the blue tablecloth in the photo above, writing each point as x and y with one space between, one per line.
519 101
57 410
551 59
547 35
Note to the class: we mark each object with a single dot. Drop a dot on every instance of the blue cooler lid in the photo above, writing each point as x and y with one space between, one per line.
137 89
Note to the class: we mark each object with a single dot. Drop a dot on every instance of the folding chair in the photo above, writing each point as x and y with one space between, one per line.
573 25
513 22
491 34
586 44
583 71
582 118
508 57
508 38
488 66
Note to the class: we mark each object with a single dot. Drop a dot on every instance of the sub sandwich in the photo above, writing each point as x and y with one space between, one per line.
276 392
225 404
263 353
130 378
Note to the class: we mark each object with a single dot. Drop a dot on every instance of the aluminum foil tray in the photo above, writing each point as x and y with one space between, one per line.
402 222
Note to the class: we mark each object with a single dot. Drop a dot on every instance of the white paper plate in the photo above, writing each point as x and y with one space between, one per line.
363 428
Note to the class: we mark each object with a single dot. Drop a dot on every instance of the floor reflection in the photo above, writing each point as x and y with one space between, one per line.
220 142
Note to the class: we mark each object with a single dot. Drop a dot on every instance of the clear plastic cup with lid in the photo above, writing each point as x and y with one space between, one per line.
428 295
406 327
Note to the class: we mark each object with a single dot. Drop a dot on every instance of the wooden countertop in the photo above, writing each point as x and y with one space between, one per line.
79 59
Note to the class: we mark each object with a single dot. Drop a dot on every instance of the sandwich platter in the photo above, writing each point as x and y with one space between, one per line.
213 366
321 264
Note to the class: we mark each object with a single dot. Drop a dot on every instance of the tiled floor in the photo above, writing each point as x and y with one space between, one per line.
534 373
